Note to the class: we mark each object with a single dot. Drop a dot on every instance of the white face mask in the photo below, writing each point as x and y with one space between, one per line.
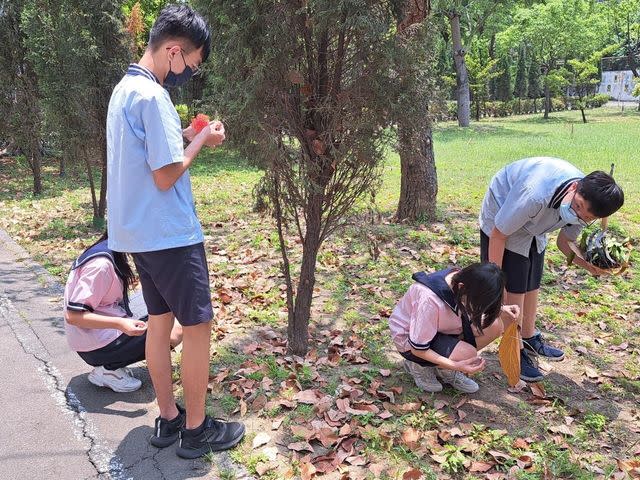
569 215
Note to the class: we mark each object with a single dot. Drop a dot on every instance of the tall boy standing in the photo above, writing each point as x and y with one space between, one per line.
151 215
526 200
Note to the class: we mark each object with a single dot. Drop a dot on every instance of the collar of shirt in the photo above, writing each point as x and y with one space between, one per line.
437 283
560 192
135 69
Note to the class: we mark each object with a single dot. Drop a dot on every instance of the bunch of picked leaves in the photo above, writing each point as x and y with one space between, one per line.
603 250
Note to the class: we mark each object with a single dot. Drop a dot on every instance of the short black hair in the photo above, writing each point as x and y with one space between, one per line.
478 289
604 195
180 21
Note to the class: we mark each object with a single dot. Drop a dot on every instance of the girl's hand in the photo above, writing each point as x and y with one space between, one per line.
133 327
471 365
510 313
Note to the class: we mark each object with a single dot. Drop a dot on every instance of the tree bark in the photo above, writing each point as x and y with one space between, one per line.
419 183
547 101
36 165
462 77
102 203
298 331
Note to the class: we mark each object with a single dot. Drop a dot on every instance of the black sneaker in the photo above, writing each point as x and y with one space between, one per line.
538 345
528 369
211 436
167 431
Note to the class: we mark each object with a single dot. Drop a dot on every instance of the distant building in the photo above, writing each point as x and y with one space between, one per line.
617 78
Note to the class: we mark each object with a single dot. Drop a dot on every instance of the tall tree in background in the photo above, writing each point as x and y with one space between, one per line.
467 21
482 71
79 52
534 86
463 97
308 90
418 182
19 93
503 79
521 86
555 31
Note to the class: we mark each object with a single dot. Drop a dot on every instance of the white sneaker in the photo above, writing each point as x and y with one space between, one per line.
457 380
425 377
120 380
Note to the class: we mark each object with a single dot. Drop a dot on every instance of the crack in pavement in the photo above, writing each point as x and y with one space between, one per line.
100 456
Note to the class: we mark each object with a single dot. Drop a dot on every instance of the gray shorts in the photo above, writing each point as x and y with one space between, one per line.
176 280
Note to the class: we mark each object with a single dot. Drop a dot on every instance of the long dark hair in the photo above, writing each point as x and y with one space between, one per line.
123 269
478 289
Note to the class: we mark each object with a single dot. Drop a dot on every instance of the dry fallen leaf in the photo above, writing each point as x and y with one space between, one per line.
563 429
480 467
300 447
538 390
509 354
307 470
410 437
261 439
413 474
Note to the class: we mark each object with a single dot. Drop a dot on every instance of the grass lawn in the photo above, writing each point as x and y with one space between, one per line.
588 414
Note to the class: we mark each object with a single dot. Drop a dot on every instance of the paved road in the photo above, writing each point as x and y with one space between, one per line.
55 424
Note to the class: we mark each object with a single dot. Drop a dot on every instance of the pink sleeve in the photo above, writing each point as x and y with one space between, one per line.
94 280
423 324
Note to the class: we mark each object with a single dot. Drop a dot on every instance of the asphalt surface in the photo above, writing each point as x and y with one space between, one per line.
55 424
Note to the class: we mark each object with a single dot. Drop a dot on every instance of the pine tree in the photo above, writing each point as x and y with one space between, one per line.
503 81
521 87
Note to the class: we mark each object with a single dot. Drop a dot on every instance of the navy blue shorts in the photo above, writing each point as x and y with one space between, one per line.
176 280
123 351
524 274
442 344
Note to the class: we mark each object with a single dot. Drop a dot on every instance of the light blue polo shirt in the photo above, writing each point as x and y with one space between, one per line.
523 199
144 134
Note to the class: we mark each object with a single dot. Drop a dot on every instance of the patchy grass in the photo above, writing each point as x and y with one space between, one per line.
590 409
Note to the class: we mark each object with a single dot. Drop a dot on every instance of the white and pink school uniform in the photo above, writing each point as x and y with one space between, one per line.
93 287
419 316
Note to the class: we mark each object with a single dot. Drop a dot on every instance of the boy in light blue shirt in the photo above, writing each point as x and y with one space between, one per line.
151 215
526 200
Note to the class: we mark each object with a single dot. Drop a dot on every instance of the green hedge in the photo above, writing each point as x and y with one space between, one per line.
522 107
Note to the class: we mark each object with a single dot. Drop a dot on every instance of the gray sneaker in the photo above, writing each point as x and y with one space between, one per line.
457 380
425 377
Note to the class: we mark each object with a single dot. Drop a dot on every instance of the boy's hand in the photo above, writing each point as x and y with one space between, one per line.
471 365
189 133
133 327
214 132
595 271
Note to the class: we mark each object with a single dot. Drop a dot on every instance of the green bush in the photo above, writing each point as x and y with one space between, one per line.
558 104
597 100
183 113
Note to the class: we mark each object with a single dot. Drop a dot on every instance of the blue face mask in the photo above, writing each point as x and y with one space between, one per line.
177 79
569 216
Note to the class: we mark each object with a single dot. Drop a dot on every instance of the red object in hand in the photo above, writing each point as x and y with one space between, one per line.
199 122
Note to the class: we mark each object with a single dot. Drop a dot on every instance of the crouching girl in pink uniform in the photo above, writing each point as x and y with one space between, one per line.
445 319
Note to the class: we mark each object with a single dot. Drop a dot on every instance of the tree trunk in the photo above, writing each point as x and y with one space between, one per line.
35 161
584 118
62 172
547 101
418 184
298 329
462 77
102 203
94 201
535 105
